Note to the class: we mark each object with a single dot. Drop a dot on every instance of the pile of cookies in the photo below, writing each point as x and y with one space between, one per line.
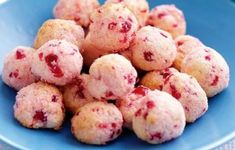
144 73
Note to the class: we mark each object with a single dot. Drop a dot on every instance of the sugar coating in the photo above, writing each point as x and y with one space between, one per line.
16 71
111 76
39 105
61 30
159 118
57 62
140 8
185 44
189 93
97 123
153 49
129 104
156 79
77 10
168 18
209 68
76 95
112 27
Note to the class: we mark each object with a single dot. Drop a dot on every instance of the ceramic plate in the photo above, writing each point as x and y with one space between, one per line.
213 21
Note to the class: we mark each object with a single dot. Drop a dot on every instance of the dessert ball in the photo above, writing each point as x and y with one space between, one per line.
153 49
209 68
91 52
112 27
185 44
155 79
111 76
77 10
159 118
57 62
97 123
189 93
60 30
39 105
129 104
140 8
76 94
16 71
168 18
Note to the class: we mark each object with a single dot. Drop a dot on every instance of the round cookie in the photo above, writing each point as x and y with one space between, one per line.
159 118
153 49
189 93
97 123
57 62
61 30
112 27
168 18
91 52
39 105
185 44
16 71
155 79
129 104
209 68
140 9
77 10
114 76
76 95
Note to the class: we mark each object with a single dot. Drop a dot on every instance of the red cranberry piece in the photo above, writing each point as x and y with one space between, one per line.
112 135
54 98
140 90
215 81
109 94
165 73
130 78
186 108
145 115
138 113
156 135
114 125
20 54
40 116
143 11
161 15
179 43
14 74
208 57
51 61
77 19
126 26
167 78
102 125
112 25
174 92
148 56
175 25
150 104
40 55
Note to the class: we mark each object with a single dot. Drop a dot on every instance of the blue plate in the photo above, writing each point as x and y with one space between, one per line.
213 21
